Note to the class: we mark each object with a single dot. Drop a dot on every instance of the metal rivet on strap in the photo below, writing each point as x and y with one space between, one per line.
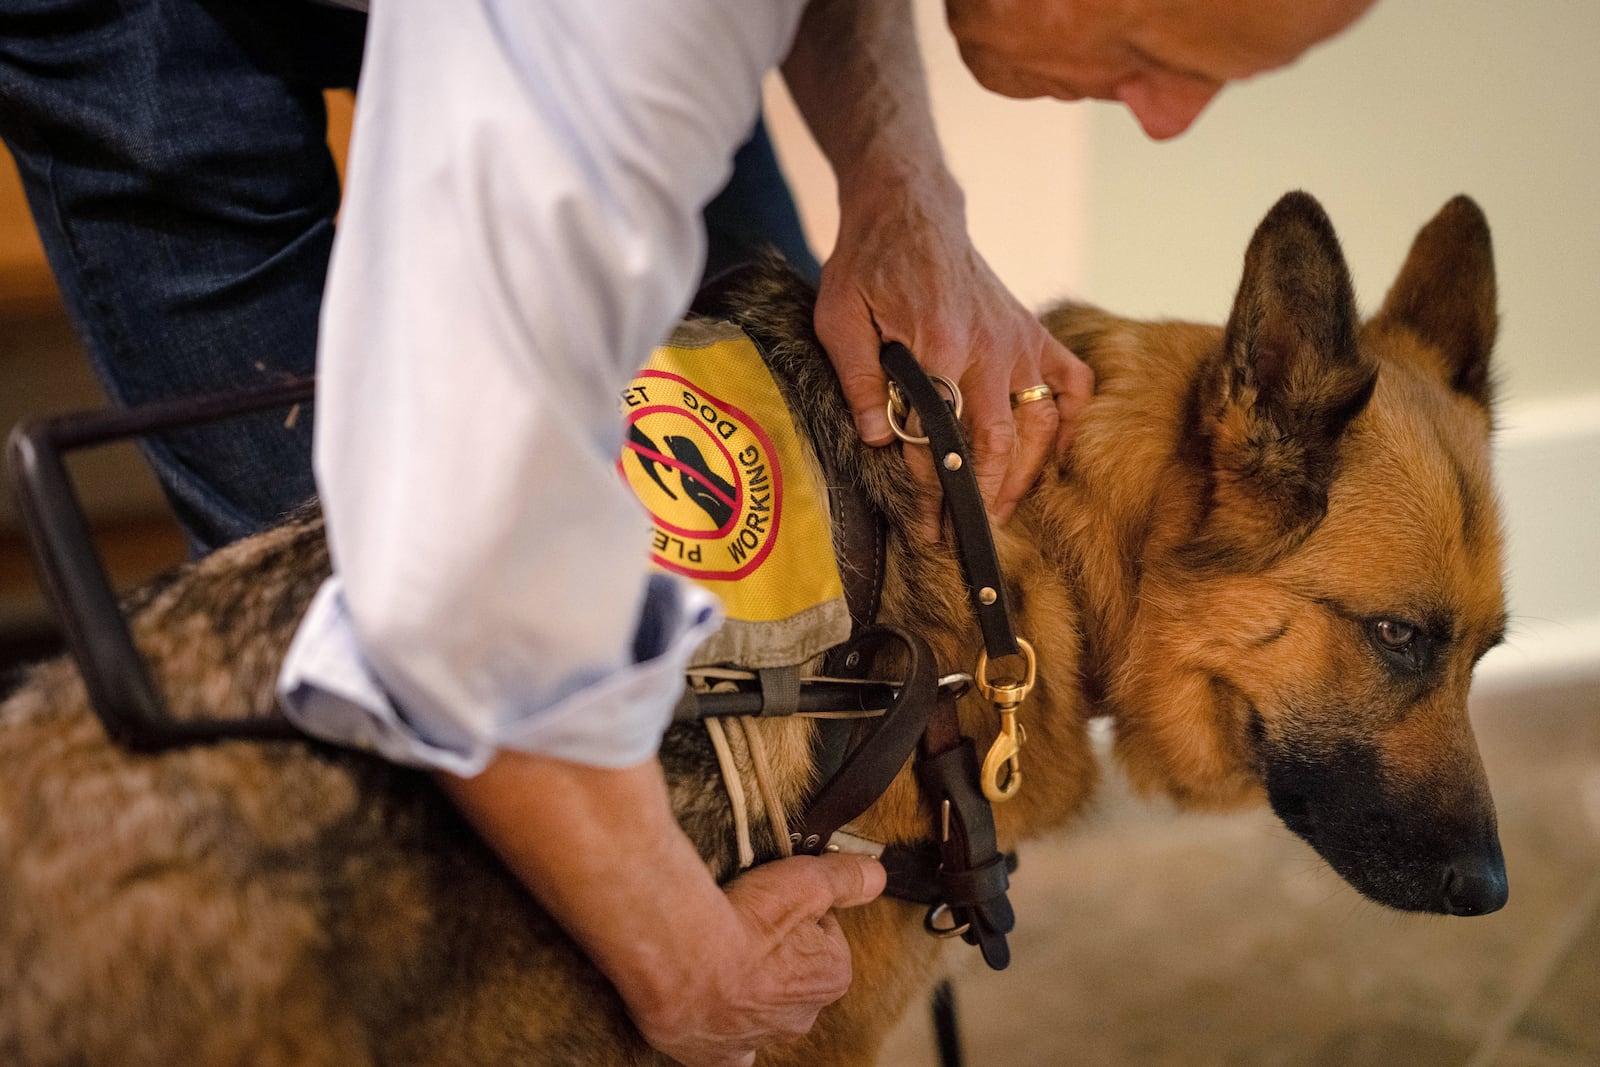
813 841
987 595
952 461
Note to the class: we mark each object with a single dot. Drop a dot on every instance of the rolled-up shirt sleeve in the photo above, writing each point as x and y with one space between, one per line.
521 226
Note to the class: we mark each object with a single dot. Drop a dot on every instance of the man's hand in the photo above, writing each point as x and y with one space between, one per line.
765 974
708 976
904 270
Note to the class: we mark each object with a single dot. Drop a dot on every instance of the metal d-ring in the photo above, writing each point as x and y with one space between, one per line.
898 409
930 923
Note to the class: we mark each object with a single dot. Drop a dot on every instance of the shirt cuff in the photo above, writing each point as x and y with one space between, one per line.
327 688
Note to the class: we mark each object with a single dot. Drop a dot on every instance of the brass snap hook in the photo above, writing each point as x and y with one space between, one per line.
1002 767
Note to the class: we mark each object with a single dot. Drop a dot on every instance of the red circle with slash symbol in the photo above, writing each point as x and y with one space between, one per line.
706 472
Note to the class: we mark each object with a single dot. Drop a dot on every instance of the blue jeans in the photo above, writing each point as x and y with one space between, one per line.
174 157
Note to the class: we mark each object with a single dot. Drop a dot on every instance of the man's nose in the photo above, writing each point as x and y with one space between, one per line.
1166 102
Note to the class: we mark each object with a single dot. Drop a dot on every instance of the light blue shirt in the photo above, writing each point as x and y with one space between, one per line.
520 228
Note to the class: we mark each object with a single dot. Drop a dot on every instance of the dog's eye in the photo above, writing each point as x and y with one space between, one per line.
1394 634
1403 644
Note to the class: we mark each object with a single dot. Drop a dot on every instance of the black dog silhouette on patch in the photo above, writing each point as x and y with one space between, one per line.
710 493
705 490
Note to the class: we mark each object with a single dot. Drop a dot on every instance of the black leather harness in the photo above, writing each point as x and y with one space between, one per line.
959 873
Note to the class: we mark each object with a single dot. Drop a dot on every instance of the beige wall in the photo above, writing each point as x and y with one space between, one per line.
1420 100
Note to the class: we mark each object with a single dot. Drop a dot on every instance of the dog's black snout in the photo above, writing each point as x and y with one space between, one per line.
1475 885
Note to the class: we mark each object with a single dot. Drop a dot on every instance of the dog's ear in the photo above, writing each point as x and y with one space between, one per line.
1446 296
1290 378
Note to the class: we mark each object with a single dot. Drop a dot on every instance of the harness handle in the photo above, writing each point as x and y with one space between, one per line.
120 687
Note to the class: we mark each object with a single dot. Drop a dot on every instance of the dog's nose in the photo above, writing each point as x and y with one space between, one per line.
1475 885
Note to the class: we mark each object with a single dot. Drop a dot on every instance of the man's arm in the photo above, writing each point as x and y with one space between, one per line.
904 268
707 975
520 227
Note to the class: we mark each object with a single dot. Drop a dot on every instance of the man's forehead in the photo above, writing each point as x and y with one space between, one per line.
1233 39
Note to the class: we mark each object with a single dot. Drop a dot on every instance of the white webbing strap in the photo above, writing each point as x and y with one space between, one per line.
733 781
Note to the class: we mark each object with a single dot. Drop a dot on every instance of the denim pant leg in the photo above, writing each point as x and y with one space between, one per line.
174 159
173 154
754 211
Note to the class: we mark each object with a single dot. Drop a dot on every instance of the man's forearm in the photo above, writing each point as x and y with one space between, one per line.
904 268
856 75
707 975
601 851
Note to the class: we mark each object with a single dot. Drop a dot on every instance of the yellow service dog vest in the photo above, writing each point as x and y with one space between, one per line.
736 497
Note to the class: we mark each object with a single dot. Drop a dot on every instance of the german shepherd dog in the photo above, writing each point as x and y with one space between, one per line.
1271 561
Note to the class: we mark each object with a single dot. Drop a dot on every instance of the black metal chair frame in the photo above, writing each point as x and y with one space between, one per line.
74 578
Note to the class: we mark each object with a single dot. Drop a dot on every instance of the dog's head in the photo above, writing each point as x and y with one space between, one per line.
1310 628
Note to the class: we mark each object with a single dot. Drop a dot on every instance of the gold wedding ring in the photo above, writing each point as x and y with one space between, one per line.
1032 393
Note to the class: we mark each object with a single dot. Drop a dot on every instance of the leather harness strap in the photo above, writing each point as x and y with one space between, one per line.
975 547
861 540
962 871
970 877
869 768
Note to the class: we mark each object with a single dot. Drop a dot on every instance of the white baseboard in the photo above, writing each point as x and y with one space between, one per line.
1542 653
1547 461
